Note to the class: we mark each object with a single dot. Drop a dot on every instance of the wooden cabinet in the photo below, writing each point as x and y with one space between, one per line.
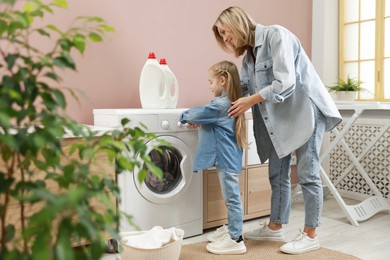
258 192
254 186
255 196
214 208
100 166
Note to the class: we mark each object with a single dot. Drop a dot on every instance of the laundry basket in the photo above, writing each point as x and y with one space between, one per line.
170 251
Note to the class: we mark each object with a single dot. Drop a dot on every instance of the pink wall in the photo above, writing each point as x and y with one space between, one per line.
178 30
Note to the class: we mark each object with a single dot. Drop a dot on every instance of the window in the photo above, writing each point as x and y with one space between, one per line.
365 46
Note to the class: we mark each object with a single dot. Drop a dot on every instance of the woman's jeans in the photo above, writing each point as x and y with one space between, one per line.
308 168
230 186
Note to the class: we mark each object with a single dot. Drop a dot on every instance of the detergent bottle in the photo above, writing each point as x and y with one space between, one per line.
171 85
152 86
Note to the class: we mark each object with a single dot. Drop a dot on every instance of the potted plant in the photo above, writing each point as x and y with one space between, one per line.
37 222
345 90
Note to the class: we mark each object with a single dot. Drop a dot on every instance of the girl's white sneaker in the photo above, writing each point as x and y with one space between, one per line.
218 234
264 233
226 246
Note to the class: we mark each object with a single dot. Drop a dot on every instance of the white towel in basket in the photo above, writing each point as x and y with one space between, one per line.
154 238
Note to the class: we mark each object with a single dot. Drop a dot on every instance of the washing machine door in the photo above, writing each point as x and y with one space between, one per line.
176 163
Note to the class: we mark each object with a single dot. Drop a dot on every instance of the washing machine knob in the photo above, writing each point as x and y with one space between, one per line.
179 124
165 125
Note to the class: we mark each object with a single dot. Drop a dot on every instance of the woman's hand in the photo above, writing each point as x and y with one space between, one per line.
241 105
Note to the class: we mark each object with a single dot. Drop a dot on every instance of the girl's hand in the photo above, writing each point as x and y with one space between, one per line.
192 126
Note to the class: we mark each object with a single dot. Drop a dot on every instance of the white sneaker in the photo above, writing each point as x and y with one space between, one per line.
226 246
264 233
301 244
219 233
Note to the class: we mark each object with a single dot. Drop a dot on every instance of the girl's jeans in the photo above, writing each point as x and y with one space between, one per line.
230 186
308 168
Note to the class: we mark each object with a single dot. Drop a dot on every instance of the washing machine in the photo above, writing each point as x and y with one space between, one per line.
174 201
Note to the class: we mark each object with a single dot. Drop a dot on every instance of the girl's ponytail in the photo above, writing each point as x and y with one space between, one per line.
240 126
229 70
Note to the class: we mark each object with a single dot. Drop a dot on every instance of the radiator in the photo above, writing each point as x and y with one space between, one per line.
376 162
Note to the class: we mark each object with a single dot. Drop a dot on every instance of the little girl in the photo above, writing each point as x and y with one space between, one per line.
221 141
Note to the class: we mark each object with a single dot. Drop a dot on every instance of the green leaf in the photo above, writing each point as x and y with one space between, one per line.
142 175
64 248
76 194
44 194
5 183
95 37
36 13
29 7
43 32
87 153
39 140
10 2
46 8
108 28
156 171
54 28
14 94
95 19
23 19
9 142
61 3
9 82
5 120
125 164
3 27
79 42
11 60
97 248
14 26
65 44
63 62
10 229
125 121
86 222
53 76
40 248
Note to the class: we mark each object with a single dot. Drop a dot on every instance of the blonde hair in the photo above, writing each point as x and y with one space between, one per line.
243 28
229 71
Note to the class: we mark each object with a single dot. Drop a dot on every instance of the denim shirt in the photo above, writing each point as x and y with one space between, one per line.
217 144
284 76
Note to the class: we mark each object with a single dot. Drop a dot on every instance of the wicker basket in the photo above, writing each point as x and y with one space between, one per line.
170 251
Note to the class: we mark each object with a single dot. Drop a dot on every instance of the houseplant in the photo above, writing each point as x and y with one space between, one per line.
33 125
346 90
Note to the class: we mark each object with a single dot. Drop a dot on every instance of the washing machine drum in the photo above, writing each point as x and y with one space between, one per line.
168 160
175 161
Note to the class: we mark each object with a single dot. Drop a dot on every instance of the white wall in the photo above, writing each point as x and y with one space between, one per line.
178 30
325 28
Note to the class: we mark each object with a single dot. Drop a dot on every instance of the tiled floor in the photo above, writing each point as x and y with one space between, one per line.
369 241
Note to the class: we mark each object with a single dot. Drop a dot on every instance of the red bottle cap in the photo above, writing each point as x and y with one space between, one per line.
163 61
151 55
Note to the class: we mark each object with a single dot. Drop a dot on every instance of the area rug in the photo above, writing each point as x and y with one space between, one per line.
260 250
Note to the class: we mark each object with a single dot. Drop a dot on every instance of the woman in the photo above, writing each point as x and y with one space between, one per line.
291 111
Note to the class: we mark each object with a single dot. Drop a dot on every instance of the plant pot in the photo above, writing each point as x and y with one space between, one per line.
344 95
